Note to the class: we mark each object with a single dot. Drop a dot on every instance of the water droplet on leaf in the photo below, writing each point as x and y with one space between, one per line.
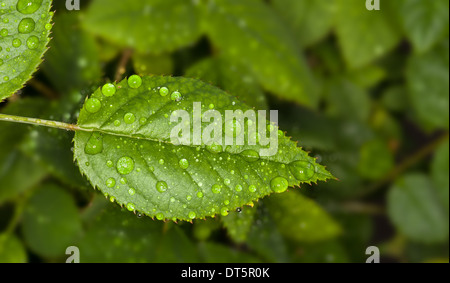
125 165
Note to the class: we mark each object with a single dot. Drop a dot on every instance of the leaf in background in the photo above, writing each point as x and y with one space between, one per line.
18 173
310 20
23 40
73 62
233 78
439 173
265 238
363 35
51 221
395 98
301 219
249 33
149 64
376 160
238 223
115 236
415 209
358 234
428 84
150 26
424 22
176 247
11 249
129 154
330 251
218 253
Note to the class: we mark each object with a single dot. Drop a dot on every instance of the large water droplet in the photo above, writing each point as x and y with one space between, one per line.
16 42
250 155
224 211
238 188
129 118
159 216
108 90
302 170
110 183
161 186
131 206
216 188
26 25
184 164
134 81
252 188
94 144
4 32
33 42
93 105
28 6
279 184
163 91
214 148
125 165
175 96
192 215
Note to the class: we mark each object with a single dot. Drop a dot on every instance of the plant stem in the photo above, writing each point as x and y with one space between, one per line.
40 122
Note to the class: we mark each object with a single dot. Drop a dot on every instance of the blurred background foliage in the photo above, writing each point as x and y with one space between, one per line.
366 92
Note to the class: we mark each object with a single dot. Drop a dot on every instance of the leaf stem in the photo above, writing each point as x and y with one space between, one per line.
41 122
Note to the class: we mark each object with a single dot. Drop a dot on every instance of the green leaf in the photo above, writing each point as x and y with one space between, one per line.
363 35
218 253
324 252
154 26
115 236
424 22
376 160
125 150
439 173
415 209
149 64
428 85
239 223
11 249
310 20
23 40
176 247
301 219
51 221
250 33
233 78
73 61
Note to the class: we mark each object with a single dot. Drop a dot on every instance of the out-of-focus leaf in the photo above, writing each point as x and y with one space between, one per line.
301 219
117 236
358 230
363 35
149 64
250 33
73 62
415 209
324 252
175 246
368 76
154 26
232 77
375 160
239 223
265 238
428 86
218 253
439 173
51 221
310 20
23 40
11 249
424 22
203 229
395 98
347 100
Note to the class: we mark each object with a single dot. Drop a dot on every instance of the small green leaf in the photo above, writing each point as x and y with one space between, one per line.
11 249
239 223
428 85
439 173
250 33
23 40
125 149
415 209
301 219
154 26
372 37
310 20
50 229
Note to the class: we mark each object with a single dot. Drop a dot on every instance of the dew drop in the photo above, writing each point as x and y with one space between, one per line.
125 165
131 206
188 197
117 123
93 105
192 215
161 186
32 42
252 188
161 161
108 89
94 144
279 184
184 164
216 188
224 211
4 32
134 81
110 183
214 148
175 96
200 194
28 6
238 188
159 216
26 25
129 118
211 106
131 191
123 181
302 170
250 155
48 26
163 91
109 163
16 42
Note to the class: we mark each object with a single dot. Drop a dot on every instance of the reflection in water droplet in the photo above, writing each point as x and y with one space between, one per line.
28 6
26 25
